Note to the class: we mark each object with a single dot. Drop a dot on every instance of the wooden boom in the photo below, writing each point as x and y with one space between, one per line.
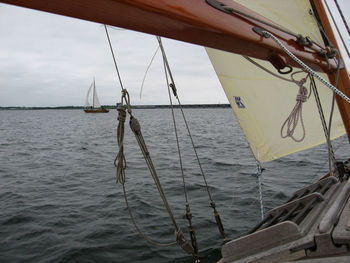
197 22
193 21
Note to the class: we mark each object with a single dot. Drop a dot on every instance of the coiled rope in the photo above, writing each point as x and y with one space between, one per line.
297 113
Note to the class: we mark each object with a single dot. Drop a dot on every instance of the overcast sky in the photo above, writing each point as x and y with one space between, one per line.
50 60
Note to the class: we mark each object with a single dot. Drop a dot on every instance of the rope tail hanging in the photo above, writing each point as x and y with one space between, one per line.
136 128
172 85
297 113
120 163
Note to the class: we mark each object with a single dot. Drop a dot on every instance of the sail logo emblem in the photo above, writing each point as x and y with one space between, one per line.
239 102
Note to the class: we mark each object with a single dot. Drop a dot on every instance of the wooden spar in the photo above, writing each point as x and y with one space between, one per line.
197 22
343 82
192 21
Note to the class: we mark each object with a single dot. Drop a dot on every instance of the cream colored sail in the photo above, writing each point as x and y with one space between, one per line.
262 102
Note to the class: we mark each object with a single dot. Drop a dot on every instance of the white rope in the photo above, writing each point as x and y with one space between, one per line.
148 67
306 68
258 174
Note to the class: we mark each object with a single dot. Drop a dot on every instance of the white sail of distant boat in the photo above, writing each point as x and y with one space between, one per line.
96 106
262 102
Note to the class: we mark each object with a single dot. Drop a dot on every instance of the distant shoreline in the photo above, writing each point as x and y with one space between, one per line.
114 107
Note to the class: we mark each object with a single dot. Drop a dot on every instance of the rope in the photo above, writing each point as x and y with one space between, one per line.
258 176
306 68
297 113
148 67
114 60
342 16
172 85
188 209
292 120
136 128
331 156
267 70
335 23
313 86
120 163
324 125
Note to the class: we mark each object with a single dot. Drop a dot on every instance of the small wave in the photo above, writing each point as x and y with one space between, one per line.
18 219
100 234
9 196
34 233
223 163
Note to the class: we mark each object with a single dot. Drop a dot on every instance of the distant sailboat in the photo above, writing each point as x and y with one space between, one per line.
96 106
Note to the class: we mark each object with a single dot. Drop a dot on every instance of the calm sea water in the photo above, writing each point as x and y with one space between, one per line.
59 201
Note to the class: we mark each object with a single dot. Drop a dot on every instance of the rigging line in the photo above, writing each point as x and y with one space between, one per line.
120 163
258 175
212 203
342 16
337 28
307 68
272 73
148 67
324 36
183 115
273 25
267 70
176 133
333 104
114 60
150 165
136 128
336 79
188 209
324 125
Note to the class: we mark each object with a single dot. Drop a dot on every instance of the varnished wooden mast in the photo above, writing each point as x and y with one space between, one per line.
343 82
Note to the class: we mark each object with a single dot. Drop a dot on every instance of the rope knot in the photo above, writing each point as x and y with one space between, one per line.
302 95
301 98
124 92
121 113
